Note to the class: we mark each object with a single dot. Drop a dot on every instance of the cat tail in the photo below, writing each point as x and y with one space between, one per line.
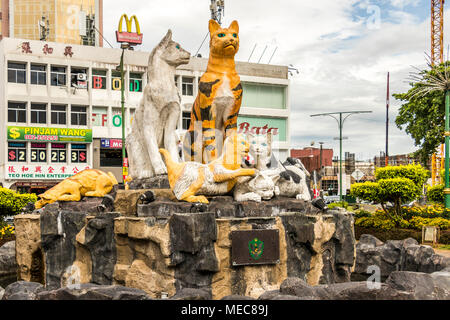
113 177
174 169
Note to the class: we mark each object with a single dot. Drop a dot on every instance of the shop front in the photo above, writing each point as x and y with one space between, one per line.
37 158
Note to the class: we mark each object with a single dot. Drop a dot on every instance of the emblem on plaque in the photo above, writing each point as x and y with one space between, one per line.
256 248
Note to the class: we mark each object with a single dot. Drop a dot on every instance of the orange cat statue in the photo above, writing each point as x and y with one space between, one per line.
217 105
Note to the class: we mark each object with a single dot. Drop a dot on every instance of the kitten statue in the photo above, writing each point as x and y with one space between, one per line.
289 179
294 180
262 185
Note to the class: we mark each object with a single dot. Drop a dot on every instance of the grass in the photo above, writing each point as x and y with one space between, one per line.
443 247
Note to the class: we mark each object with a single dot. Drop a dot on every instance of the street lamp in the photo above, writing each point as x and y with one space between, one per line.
340 122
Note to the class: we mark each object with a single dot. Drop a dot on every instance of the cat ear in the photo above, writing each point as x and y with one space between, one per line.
234 26
165 41
213 26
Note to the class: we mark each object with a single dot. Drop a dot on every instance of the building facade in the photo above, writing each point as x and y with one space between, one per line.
65 21
61 106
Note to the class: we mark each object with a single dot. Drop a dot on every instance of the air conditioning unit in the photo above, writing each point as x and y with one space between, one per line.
82 77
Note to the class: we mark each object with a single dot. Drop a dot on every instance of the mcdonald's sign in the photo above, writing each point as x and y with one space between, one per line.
132 38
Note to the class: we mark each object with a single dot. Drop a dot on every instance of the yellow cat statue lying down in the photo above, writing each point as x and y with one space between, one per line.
89 182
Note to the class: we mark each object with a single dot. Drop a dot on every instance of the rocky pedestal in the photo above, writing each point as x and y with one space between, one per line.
168 247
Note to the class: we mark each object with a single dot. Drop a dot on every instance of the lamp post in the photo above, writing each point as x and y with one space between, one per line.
123 46
127 40
340 122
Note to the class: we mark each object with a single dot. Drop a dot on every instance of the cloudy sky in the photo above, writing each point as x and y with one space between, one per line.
342 48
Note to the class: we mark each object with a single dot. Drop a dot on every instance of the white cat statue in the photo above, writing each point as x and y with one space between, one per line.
262 185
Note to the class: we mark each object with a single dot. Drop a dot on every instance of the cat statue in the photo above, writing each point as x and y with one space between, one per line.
192 181
293 182
289 179
157 116
216 108
262 185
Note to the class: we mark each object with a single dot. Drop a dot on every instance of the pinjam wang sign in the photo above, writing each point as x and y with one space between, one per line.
45 134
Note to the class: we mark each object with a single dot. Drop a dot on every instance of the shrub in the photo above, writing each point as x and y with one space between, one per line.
342 204
436 193
430 211
396 184
419 222
6 231
11 202
414 172
362 213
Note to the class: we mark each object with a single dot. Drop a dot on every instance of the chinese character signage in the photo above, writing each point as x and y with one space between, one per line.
42 172
49 134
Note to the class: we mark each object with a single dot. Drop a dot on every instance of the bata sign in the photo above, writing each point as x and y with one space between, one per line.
245 128
49 134
47 172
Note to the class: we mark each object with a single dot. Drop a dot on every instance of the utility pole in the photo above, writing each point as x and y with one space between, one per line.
340 122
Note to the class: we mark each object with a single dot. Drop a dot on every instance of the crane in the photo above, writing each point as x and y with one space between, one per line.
437 57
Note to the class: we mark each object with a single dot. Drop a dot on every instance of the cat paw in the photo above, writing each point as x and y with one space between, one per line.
302 197
276 191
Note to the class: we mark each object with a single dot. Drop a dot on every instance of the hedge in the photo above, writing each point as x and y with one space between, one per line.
11 203
399 234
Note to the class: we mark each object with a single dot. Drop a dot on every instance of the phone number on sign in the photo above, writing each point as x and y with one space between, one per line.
47 138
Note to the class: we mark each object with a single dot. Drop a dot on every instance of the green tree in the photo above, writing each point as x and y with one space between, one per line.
422 115
395 184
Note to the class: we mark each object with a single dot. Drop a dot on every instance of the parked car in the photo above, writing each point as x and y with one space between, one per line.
330 199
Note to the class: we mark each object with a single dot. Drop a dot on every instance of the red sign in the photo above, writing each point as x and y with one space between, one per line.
130 37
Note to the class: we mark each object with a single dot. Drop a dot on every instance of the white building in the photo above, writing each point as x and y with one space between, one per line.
61 106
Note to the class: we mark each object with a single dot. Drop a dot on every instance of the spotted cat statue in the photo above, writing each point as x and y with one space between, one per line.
216 108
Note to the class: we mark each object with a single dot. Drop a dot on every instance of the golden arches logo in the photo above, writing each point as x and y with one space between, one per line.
128 22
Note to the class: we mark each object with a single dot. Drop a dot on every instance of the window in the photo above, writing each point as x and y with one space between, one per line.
38 74
78 116
116 82
17 112
38 152
135 82
98 79
59 152
78 78
38 113
58 76
186 120
110 157
17 72
99 116
78 153
17 152
264 96
58 114
187 85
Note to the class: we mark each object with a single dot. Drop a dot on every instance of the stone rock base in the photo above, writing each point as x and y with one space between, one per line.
164 254
156 182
